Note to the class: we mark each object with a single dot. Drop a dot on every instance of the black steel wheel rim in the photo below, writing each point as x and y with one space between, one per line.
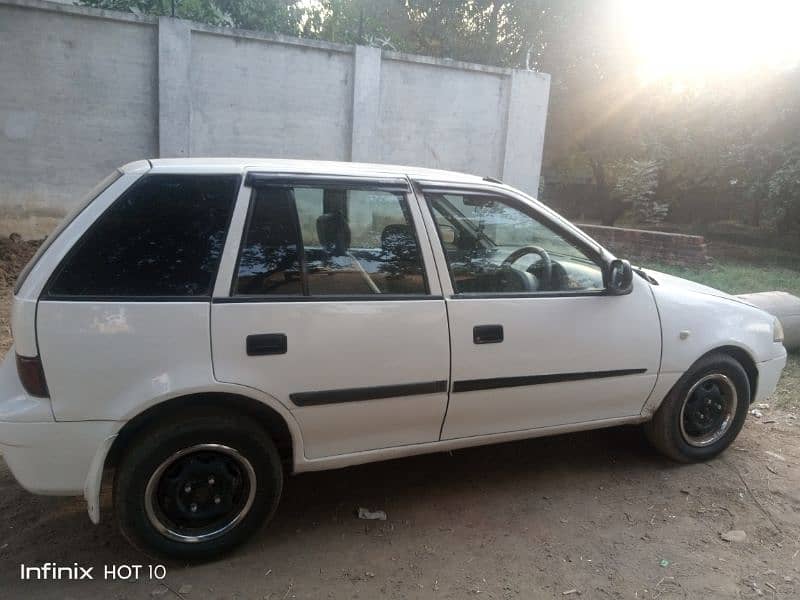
708 410
200 493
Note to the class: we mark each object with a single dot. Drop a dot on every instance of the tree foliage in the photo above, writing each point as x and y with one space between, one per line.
636 189
276 16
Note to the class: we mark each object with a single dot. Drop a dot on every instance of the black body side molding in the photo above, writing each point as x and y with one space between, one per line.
367 393
472 385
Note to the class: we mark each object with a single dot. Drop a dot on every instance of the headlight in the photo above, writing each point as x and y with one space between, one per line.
777 331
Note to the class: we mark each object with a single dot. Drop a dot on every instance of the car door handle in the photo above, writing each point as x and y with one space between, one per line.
487 334
266 343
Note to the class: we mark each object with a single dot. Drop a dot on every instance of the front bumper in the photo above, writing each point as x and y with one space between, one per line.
769 373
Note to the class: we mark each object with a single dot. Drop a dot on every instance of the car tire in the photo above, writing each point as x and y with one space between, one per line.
703 412
197 488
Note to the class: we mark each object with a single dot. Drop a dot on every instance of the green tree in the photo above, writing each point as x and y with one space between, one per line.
484 31
279 16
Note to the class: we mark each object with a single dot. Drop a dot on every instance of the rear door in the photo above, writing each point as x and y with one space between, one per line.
331 305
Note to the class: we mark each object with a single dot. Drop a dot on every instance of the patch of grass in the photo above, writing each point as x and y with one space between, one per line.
739 278
778 256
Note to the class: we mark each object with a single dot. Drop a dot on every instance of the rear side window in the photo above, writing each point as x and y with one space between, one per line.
163 237
329 241
86 201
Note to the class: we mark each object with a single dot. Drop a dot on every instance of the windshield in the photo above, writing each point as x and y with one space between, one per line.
85 201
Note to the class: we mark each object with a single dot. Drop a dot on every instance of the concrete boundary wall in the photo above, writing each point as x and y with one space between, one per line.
86 90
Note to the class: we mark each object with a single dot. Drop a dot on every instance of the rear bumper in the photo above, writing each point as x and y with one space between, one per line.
53 458
45 456
769 373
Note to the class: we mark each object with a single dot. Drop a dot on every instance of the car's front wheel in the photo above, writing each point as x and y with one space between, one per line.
197 488
704 411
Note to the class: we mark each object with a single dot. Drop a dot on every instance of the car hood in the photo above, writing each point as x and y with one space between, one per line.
678 283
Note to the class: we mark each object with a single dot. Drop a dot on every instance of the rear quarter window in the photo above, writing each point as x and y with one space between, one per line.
162 237
86 201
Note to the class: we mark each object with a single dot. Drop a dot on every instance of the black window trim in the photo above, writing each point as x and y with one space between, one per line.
45 295
592 253
251 204
258 181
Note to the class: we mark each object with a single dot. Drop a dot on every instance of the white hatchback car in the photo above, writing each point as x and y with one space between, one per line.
204 326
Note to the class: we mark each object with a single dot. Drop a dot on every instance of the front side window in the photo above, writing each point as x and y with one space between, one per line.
163 237
323 241
492 246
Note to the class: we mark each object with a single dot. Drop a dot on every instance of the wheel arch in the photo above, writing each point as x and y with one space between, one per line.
267 417
744 358
667 380
276 421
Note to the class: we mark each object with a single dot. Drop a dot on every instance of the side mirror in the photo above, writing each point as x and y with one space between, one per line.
448 234
619 277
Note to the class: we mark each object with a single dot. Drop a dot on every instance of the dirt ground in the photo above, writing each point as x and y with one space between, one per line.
591 515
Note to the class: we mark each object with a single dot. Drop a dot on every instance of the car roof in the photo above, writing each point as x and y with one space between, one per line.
311 167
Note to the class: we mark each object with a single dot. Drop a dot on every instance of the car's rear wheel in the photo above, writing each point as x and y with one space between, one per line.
196 489
704 411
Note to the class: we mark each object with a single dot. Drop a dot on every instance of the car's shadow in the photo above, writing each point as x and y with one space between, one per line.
419 489
549 466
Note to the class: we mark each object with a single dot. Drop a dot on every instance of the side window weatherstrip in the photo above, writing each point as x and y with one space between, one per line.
343 298
122 299
542 294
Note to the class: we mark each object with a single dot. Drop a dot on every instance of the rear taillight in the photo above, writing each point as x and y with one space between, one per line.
31 375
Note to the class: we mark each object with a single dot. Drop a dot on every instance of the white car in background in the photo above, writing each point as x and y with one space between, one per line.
203 327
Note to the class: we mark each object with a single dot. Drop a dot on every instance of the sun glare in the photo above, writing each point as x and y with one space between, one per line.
687 40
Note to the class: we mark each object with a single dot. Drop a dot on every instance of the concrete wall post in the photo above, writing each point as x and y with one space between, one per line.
527 116
174 87
364 146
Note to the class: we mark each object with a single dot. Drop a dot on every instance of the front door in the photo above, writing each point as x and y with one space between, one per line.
536 341
331 311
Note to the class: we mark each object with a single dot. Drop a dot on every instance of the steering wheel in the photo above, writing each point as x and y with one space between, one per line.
546 263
